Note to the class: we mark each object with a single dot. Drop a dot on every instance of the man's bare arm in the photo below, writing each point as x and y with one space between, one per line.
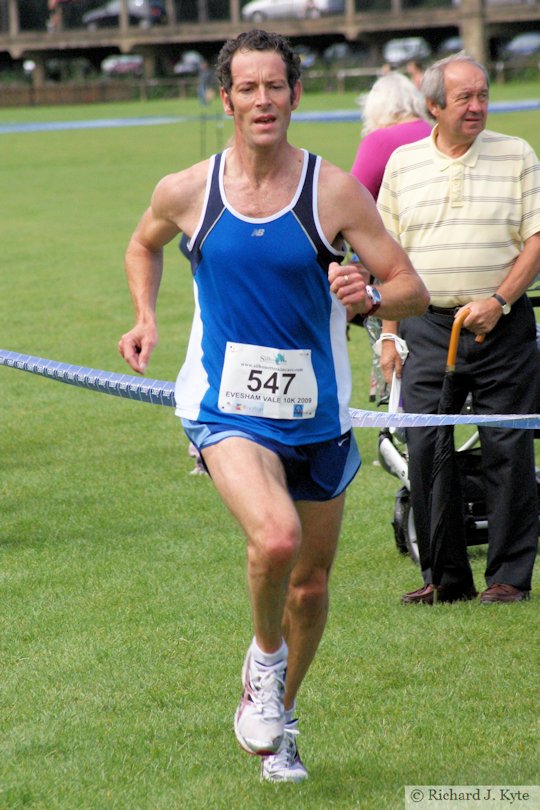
485 314
174 208
349 209
144 268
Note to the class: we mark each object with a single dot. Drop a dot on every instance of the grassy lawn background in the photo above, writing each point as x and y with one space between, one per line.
124 614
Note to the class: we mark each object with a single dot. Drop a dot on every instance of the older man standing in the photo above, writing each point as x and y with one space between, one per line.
464 203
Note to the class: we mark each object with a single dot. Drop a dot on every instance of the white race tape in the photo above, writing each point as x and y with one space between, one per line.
160 392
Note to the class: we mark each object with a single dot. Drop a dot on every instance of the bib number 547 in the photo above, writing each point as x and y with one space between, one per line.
256 381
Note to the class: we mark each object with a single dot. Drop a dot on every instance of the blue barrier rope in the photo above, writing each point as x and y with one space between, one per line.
160 392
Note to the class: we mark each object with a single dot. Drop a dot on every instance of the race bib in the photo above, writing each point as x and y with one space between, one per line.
266 382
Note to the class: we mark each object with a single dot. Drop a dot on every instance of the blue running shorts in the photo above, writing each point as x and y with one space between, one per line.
315 472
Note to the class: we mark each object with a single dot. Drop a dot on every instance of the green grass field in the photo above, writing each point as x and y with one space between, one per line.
124 616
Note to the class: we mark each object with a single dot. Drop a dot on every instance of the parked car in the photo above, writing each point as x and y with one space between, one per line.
307 55
522 48
449 46
140 12
398 51
189 64
124 65
259 10
342 54
457 3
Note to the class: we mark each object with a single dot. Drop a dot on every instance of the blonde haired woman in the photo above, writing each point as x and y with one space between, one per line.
394 113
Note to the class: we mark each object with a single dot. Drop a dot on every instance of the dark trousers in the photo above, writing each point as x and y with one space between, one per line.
503 376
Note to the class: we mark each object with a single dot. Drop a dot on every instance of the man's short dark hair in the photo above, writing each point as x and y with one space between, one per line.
257 40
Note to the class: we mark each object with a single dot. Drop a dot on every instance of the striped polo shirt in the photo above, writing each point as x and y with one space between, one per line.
462 221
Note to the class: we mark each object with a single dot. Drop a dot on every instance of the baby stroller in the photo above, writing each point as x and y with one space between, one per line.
393 458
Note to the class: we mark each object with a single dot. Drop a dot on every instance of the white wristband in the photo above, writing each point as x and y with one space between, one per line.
401 347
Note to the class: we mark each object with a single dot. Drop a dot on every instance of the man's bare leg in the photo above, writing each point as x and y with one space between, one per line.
306 608
304 620
251 482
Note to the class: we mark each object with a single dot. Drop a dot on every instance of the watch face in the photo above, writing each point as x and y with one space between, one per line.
506 307
374 294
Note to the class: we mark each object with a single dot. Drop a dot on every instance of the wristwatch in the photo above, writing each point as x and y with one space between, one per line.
506 307
375 298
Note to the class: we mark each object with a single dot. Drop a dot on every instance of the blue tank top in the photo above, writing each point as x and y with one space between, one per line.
263 282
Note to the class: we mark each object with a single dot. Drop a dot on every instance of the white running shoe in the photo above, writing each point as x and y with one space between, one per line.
259 721
286 765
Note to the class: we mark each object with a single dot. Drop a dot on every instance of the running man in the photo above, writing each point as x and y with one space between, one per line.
264 390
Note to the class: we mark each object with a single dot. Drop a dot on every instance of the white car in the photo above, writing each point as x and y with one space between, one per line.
123 65
398 51
522 46
189 64
140 12
259 10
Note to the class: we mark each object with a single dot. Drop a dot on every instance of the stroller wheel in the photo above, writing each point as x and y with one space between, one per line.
400 508
403 525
